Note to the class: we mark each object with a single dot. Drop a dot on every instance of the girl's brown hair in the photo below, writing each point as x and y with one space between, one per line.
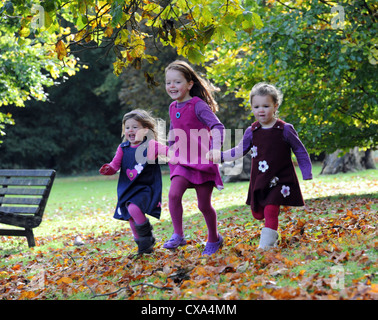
266 89
201 88
144 118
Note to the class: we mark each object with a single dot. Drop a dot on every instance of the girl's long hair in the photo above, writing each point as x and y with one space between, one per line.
201 88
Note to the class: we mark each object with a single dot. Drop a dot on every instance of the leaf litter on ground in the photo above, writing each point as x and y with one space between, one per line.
327 250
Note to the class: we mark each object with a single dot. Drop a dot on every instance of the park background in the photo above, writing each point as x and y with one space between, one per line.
63 92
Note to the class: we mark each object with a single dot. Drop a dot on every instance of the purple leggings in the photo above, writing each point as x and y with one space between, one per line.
137 217
204 192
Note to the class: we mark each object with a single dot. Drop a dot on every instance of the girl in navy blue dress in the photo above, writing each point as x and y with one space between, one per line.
139 185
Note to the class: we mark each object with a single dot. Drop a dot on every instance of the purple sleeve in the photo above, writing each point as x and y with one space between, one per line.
209 119
299 150
241 149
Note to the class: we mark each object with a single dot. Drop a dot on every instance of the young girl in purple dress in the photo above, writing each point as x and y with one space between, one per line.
273 178
194 130
139 186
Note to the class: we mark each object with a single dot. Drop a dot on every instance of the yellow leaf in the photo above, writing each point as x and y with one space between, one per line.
61 50
109 31
64 280
80 35
24 32
374 288
27 295
257 20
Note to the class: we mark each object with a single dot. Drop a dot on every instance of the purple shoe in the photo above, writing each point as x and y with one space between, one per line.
212 247
175 242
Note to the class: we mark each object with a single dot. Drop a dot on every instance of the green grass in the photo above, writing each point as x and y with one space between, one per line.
85 205
82 204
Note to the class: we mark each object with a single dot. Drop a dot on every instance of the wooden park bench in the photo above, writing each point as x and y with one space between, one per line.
23 198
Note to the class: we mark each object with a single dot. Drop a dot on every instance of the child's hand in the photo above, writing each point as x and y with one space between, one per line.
141 133
104 169
214 156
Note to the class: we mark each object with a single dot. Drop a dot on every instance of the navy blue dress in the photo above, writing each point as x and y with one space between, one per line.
139 183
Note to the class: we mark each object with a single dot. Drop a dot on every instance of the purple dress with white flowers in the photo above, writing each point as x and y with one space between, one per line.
273 177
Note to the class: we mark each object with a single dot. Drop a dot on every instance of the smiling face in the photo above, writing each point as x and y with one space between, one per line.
177 86
134 132
263 109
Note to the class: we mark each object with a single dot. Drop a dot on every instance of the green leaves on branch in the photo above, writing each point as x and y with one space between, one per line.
190 26
27 53
327 72
38 38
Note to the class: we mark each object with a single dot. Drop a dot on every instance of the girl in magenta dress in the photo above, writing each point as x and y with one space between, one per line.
194 130
139 187
273 178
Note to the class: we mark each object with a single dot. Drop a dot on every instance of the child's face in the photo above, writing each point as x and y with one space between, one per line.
177 86
134 132
263 109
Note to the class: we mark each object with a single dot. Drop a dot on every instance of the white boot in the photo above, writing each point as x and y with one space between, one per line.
268 238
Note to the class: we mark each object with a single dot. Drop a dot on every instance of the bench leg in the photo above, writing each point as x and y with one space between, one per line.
30 237
28 233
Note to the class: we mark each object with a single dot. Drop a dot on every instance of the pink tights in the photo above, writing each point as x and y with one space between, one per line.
270 213
137 217
204 191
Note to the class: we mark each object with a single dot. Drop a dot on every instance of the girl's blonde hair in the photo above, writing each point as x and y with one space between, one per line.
144 118
266 89
201 87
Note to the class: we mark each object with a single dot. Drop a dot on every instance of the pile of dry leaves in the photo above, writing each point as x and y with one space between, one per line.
326 251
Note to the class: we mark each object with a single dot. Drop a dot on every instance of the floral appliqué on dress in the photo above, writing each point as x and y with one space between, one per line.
273 182
285 191
138 168
254 152
263 166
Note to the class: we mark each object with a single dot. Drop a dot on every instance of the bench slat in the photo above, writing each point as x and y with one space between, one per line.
28 201
25 173
23 182
22 191
21 210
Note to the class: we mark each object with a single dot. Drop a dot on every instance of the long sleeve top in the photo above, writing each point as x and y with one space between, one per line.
290 136
209 119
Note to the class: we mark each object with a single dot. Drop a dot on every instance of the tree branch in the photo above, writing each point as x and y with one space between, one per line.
125 288
151 285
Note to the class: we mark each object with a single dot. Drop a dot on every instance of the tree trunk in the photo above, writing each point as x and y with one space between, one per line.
352 161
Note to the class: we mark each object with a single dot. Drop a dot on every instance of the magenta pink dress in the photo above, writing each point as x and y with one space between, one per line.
192 140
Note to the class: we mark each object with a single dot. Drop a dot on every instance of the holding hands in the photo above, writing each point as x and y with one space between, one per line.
214 156
155 149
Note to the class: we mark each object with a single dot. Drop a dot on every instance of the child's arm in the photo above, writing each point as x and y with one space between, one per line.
241 149
155 149
209 119
299 150
113 167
